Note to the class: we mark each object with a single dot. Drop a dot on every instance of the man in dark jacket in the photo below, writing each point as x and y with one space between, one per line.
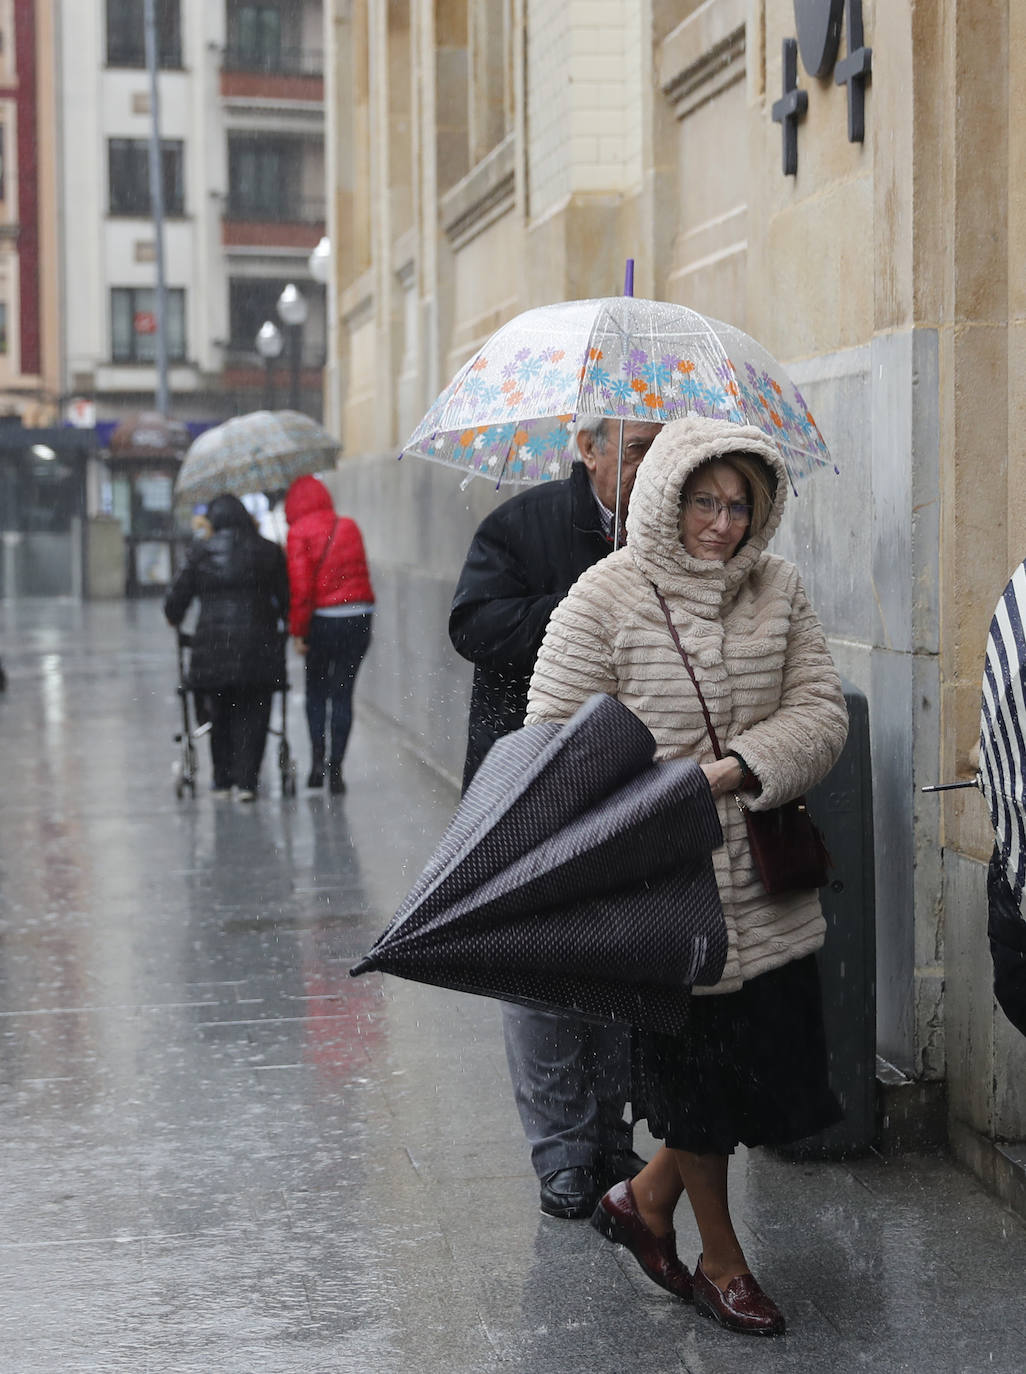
570 1077
238 656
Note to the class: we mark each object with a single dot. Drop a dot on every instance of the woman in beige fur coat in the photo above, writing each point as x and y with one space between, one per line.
752 1067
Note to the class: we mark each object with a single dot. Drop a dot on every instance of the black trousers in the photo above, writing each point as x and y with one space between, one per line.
1007 931
239 717
336 646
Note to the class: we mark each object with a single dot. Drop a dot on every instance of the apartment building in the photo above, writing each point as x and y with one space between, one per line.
242 143
29 267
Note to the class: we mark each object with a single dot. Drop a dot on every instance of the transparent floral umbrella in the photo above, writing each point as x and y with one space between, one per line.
507 412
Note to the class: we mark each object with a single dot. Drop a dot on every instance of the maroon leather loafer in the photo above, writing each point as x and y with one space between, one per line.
617 1218
743 1307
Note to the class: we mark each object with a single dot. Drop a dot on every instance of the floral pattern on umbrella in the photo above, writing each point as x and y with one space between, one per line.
508 411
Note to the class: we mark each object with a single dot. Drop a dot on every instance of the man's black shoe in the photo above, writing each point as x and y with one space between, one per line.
571 1194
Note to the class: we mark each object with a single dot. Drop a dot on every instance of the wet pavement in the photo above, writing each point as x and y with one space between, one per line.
219 1153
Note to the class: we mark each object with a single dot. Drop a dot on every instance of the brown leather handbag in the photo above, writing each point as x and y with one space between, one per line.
788 850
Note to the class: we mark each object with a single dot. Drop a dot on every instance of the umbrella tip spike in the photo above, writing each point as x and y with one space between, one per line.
364 966
628 278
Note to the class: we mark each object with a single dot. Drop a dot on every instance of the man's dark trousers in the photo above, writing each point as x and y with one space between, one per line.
570 1076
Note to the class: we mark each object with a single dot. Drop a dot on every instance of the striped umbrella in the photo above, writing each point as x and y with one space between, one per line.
1003 732
263 451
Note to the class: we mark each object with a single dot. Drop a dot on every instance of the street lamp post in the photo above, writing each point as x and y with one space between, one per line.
269 344
292 311
319 261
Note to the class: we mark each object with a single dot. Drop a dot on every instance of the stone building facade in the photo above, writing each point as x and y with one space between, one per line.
486 156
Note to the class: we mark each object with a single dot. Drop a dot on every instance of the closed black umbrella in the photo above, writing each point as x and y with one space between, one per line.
575 875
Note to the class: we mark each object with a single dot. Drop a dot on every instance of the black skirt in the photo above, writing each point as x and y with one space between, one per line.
751 1069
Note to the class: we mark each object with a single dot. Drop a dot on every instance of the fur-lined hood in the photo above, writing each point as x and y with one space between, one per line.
653 521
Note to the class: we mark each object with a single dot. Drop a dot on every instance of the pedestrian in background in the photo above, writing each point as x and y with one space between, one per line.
570 1076
332 609
237 661
751 694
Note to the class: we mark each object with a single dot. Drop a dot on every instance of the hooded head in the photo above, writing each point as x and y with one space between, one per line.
228 512
654 536
307 494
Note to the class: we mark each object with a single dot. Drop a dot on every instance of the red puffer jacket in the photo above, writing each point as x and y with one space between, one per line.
327 564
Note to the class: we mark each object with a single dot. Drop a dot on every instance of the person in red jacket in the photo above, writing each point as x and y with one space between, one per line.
331 607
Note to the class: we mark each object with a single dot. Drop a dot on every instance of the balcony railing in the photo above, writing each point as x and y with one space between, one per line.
281 62
290 210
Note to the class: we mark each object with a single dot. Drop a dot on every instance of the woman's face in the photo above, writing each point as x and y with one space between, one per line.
715 512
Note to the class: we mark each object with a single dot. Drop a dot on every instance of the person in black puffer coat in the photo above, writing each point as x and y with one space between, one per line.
238 650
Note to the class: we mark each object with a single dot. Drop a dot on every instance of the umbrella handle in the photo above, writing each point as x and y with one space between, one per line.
950 786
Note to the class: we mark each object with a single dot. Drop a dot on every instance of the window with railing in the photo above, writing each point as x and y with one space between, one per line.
129 172
265 181
266 37
126 33
134 324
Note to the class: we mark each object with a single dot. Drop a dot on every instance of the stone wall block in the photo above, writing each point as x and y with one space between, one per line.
891 426
1009 1080
976 571
969 1001
833 550
981 163
803 296
1015 550
892 682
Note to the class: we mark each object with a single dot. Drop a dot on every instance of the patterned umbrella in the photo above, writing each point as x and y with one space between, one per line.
263 451
507 412
575 875
1003 732
1001 778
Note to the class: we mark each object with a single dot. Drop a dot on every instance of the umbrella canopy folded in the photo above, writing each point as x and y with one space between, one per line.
575 875
263 451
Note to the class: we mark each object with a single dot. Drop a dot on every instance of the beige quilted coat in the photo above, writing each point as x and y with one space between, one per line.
756 647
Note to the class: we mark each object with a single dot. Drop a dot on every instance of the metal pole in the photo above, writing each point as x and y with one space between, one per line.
295 356
619 484
157 205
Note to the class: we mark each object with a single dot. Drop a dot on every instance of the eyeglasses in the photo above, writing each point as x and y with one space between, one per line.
708 508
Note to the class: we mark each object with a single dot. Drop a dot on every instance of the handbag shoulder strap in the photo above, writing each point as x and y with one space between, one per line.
327 550
691 672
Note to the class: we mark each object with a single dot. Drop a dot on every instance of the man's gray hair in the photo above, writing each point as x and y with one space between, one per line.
596 425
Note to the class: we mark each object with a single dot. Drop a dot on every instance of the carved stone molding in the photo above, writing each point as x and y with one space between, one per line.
356 303
704 55
484 195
